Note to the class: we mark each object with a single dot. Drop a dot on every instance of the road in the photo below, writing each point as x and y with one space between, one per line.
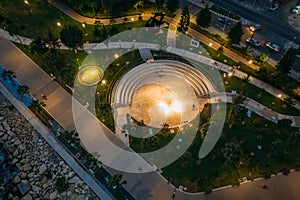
269 20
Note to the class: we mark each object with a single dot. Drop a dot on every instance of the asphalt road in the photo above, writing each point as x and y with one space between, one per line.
273 21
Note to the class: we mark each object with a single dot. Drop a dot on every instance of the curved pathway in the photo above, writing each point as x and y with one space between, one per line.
62 7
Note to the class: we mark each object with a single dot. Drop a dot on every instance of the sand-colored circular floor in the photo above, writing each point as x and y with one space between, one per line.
156 105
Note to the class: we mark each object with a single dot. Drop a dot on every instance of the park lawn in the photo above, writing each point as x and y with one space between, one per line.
111 75
212 172
43 19
64 76
266 99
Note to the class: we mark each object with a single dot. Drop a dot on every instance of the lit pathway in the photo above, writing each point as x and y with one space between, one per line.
97 187
88 20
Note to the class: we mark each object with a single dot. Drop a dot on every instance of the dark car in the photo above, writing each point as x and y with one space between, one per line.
253 42
225 20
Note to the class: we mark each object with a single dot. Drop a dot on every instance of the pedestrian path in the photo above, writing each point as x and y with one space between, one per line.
87 20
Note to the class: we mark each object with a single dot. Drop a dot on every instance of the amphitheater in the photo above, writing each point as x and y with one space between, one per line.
160 92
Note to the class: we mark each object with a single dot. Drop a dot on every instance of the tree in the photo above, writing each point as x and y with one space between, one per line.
236 115
159 5
22 90
52 42
55 59
204 18
185 20
172 5
36 106
72 37
38 46
10 75
115 181
236 33
262 57
96 32
232 152
285 125
287 61
61 184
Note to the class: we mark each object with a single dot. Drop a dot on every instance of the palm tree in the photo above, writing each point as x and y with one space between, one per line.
23 90
10 75
232 152
115 181
36 106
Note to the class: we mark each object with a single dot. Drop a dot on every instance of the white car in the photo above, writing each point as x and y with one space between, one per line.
255 27
273 46
296 10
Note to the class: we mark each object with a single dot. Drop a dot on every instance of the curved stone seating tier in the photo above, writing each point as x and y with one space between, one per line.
153 72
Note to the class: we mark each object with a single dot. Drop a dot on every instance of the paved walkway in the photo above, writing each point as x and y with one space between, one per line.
97 187
88 20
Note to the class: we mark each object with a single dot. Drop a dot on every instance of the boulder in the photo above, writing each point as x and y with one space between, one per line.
27 168
16 179
42 169
27 197
23 188
36 188
53 195
73 180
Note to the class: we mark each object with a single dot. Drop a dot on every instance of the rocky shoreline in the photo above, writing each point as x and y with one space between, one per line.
31 166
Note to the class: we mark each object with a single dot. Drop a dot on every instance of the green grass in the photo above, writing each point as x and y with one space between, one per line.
43 20
66 74
224 12
259 95
212 172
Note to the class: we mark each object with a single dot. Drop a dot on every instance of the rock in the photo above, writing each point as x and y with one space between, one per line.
73 180
42 169
23 188
53 195
30 175
16 179
27 197
36 188
16 153
23 175
4 137
10 133
27 168
44 180
17 142
14 161
1 133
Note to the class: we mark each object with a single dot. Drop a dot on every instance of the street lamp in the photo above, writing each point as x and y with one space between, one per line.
77 59
210 44
58 24
250 61
26 2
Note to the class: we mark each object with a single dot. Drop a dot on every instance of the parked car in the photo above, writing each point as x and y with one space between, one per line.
296 10
274 7
273 46
255 27
225 20
253 42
